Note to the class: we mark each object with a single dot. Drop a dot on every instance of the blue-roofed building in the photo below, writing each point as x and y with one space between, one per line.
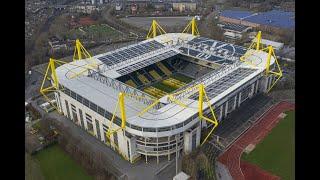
276 19
235 14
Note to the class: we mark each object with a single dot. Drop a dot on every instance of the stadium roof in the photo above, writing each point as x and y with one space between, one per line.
275 18
103 91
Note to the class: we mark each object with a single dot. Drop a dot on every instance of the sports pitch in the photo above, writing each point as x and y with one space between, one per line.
100 30
56 164
275 153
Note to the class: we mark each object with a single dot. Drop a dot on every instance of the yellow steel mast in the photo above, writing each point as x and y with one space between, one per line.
192 25
155 28
256 46
54 85
80 52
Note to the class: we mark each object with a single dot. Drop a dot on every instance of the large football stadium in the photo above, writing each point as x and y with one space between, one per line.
154 98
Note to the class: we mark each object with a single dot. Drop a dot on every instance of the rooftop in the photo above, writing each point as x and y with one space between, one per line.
102 89
275 18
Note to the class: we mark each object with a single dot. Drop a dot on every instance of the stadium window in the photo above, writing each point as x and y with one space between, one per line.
101 111
128 124
164 129
86 102
67 91
117 121
179 125
93 106
108 115
149 129
136 127
79 98
73 94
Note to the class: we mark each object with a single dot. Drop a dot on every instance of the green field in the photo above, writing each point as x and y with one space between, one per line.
94 31
275 153
55 164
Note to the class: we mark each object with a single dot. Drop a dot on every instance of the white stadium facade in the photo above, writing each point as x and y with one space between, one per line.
89 99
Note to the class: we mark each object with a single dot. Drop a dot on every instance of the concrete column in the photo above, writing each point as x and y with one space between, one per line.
257 86
226 109
101 131
235 102
221 112
239 102
84 120
252 90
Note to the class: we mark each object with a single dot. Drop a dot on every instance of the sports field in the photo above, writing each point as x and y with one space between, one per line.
56 164
95 31
275 153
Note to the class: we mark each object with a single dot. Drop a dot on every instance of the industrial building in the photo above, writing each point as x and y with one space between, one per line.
114 97
273 20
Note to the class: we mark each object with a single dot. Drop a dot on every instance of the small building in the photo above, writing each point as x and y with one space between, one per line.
234 31
84 9
273 20
182 6
56 44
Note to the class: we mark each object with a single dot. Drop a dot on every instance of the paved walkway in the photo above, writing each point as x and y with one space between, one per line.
231 158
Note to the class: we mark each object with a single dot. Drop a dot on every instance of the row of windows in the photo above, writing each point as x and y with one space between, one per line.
117 120
91 105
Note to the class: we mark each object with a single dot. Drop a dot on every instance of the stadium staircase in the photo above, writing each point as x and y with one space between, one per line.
147 75
158 70
155 75
173 83
143 79
167 64
154 92
164 68
131 83
135 80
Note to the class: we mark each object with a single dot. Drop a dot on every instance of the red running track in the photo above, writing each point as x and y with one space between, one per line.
231 158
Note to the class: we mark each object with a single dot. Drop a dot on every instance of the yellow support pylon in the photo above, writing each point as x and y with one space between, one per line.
155 28
192 25
214 121
277 73
80 52
123 115
54 85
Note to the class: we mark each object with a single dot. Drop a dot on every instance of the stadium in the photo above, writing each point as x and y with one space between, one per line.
154 98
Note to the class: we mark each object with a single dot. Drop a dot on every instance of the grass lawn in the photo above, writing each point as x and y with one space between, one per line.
96 31
275 153
55 164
